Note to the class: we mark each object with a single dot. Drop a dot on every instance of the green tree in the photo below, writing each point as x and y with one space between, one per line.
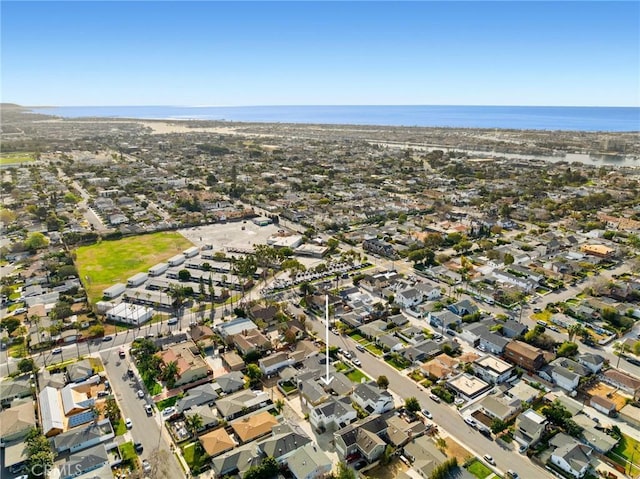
36 241
111 410
383 382
184 275
412 404
193 423
39 454
387 455
573 330
26 365
345 472
567 349
254 373
97 330
508 259
306 288
10 324
170 374
498 425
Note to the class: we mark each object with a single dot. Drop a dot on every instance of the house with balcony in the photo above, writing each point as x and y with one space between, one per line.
333 414
492 369
372 399
524 355
530 425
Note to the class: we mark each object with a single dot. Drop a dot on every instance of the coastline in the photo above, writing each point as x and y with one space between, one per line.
566 119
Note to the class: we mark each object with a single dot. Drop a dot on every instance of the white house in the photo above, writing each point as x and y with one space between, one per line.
332 415
570 456
372 399
529 428
274 363
492 369
429 292
408 297
563 377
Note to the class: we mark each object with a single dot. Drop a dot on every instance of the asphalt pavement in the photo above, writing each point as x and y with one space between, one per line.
147 430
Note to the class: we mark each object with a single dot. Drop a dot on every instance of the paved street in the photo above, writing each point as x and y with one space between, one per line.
147 430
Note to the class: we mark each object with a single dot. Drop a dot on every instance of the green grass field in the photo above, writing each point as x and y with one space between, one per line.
628 448
103 264
127 451
167 402
195 456
11 158
479 470
357 376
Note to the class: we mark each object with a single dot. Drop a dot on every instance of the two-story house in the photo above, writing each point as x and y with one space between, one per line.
372 399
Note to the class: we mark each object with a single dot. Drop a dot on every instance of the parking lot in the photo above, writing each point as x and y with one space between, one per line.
236 235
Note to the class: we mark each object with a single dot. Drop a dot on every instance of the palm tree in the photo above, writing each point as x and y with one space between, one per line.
170 374
573 330
193 423
178 294
279 404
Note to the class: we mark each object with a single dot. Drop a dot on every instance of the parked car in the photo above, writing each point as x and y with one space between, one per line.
356 361
360 348
129 423
138 447
489 459
140 393
146 467
148 409
173 320
107 339
434 398
427 414
512 474
56 351
168 411
470 421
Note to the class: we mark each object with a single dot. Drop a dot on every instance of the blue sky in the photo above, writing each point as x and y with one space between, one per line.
324 53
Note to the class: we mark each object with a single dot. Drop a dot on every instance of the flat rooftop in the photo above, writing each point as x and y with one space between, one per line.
470 386
494 364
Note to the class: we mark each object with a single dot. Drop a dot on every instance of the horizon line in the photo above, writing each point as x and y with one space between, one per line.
322 105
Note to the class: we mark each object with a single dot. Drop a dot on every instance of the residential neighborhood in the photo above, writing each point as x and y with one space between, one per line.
256 303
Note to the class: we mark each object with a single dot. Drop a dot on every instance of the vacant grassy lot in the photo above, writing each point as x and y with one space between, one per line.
11 158
103 264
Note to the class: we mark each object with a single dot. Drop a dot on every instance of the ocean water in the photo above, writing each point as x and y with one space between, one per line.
613 119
